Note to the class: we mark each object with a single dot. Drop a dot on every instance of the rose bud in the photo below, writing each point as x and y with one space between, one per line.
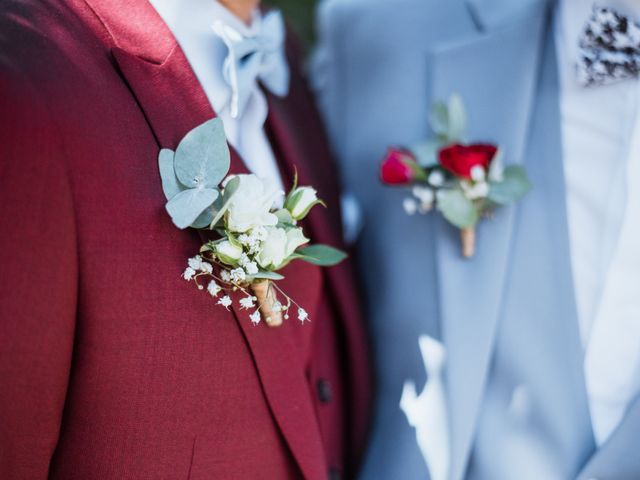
461 159
228 252
300 200
400 168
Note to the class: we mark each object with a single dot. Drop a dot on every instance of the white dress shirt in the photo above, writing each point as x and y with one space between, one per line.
191 22
601 154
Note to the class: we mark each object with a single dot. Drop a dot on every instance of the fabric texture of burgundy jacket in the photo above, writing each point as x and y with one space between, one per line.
111 365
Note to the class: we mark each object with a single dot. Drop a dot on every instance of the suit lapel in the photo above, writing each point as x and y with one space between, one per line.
311 160
173 102
505 64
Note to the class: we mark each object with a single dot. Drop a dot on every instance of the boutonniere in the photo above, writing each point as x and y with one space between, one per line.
465 182
255 237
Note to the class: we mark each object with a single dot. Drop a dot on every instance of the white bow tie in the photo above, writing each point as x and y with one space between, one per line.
252 58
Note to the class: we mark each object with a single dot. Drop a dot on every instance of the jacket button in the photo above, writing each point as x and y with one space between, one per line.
334 474
324 391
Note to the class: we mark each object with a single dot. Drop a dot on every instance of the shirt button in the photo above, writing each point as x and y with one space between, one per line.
334 474
324 391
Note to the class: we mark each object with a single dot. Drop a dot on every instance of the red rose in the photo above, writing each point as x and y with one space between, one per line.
399 167
460 159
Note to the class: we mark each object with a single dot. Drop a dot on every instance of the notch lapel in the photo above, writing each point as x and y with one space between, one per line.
162 81
496 75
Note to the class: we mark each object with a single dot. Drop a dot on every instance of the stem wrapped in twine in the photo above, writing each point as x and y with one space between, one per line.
468 237
267 300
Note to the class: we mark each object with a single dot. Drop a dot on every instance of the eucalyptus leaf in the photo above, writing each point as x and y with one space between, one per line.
267 275
187 205
457 119
514 186
457 209
202 158
170 185
322 255
204 219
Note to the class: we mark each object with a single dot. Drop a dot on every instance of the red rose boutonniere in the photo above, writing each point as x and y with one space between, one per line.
463 181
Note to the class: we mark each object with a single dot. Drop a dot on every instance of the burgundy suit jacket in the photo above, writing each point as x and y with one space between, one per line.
111 365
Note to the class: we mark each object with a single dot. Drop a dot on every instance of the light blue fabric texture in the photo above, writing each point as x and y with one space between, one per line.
515 383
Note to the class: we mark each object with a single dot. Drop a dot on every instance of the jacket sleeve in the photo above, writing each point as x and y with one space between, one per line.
38 281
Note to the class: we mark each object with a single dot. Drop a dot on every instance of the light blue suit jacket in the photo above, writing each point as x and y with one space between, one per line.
507 317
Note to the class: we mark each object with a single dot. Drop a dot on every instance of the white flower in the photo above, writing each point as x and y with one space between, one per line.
476 191
206 267
295 238
273 248
247 302
189 273
213 288
436 178
302 315
238 275
255 317
195 262
478 173
225 276
250 205
425 196
228 252
259 233
410 206
225 302
243 260
300 201
251 268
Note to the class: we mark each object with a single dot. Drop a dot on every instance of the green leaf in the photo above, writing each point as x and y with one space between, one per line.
457 119
170 185
284 217
427 152
496 168
267 275
322 255
204 219
439 118
202 158
512 188
187 205
457 209
229 190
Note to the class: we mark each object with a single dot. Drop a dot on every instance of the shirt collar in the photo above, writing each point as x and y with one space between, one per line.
191 22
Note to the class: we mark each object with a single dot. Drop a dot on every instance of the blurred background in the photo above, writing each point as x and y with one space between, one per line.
300 15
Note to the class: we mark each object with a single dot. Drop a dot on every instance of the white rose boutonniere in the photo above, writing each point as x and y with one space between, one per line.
256 238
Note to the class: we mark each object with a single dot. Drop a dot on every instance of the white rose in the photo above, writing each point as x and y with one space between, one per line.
251 204
228 252
300 201
295 238
273 248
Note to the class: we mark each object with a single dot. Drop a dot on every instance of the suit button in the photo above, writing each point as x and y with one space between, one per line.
334 474
324 391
